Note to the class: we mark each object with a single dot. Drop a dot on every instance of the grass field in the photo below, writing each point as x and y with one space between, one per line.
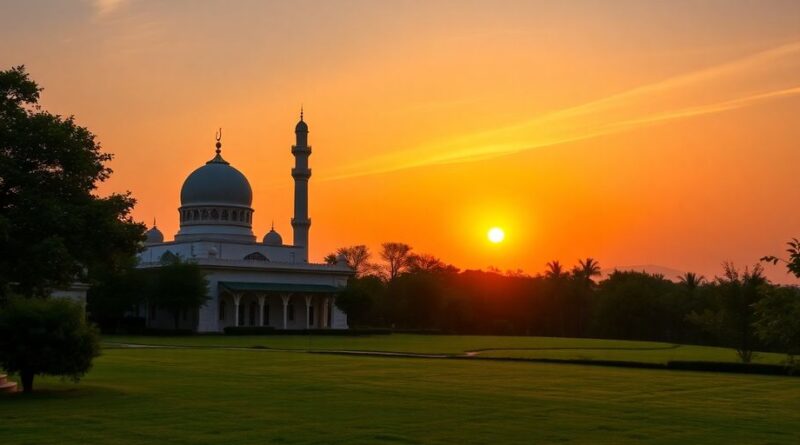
224 396
485 346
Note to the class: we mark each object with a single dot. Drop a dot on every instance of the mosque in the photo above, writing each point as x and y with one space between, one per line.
251 282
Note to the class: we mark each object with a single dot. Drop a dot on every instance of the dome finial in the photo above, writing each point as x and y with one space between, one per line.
219 138
301 112
154 222
273 225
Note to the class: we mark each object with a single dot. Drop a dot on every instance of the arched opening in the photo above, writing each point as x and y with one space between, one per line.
256 256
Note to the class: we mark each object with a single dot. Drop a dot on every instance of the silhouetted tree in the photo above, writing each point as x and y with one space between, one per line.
587 269
357 258
554 270
397 257
777 317
691 280
732 318
359 298
793 261
53 228
425 263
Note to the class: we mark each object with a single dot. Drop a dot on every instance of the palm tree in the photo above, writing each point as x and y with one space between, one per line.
587 269
554 270
691 280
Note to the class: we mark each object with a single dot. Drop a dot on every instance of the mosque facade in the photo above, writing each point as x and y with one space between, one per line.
252 282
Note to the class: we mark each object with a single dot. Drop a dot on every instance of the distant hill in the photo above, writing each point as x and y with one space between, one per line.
668 272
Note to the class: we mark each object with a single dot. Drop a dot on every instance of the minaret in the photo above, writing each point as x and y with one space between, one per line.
301 173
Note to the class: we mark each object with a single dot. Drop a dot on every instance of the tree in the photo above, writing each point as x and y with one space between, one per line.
357 258
731 321
53 229
793 262
555 270
426 263
691 280
778 320
587 269
46 336
358 298
397 257
579 295
178 286
115 295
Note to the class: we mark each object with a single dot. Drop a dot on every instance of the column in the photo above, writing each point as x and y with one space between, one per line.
324 319
236 299
308 311
261 299
285 298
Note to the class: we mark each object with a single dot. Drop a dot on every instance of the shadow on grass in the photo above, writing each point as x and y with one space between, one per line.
71 392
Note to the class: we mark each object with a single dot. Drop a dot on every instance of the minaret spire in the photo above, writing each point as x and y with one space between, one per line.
301 174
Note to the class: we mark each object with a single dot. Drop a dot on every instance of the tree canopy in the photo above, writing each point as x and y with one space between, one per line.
54 229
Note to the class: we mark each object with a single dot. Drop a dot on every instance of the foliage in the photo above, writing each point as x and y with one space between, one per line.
53 228
46 336
397 257
731 317
357 258
778 320
358 298
793 262
176 287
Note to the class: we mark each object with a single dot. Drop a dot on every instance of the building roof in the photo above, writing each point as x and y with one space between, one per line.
279 287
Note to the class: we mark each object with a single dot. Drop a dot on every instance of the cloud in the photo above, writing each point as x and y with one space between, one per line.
716 89
103 8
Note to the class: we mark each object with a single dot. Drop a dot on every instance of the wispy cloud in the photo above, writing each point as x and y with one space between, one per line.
103 8
716 89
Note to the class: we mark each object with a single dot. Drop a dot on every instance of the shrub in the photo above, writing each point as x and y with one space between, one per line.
46 337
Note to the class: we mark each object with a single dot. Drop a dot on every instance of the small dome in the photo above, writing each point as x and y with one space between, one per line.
217 183
153 236
301 127
273 238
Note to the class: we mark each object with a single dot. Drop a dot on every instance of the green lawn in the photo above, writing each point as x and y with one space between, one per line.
221 396
486 346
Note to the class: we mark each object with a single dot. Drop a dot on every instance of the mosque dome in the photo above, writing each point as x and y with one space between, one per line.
273 238
216 183
215 203
153 236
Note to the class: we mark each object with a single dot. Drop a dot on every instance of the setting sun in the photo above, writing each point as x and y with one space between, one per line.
496 235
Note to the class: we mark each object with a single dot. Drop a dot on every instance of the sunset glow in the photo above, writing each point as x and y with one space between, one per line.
627 142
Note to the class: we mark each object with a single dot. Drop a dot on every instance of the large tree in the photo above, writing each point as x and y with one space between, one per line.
54 229
46 336
397 258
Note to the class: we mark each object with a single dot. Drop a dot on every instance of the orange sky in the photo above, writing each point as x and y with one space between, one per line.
635 132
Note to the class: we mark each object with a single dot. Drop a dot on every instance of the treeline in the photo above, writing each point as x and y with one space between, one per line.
740 309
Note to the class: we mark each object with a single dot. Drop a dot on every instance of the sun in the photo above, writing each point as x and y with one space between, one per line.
496 235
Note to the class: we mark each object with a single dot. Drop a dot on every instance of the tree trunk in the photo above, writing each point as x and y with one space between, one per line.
27 381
